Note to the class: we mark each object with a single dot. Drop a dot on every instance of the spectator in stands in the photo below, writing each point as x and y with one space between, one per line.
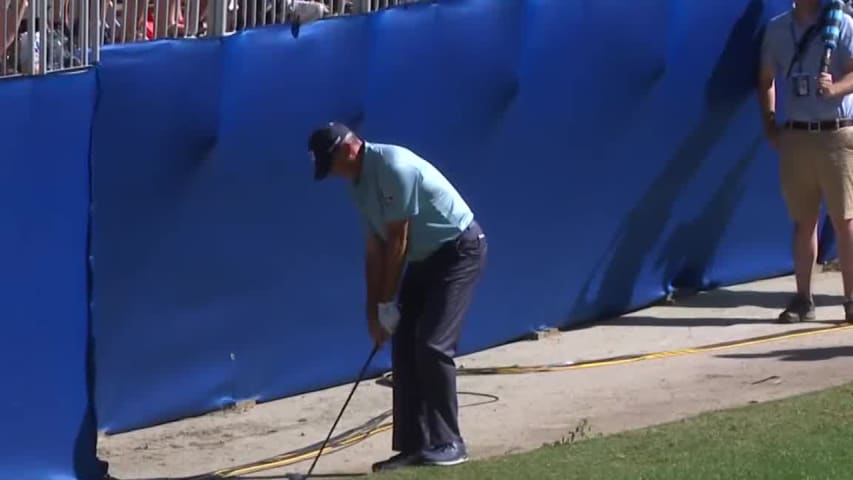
11 16
134 20
815 144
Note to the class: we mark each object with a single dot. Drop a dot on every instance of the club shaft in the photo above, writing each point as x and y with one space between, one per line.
341 413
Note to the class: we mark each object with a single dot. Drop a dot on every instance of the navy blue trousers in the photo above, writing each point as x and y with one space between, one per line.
434 298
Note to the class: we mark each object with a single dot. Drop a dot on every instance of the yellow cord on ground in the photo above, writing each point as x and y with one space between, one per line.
364 432
305 456
509 370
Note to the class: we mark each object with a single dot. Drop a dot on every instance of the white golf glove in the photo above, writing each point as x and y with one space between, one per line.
389 316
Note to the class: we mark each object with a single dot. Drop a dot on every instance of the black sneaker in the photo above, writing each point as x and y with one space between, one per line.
848 311
446 455
401 460
799 310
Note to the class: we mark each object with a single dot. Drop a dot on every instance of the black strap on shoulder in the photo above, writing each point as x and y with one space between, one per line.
803 45
807 38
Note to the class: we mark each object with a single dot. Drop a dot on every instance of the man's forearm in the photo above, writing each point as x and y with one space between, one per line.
394 257
373 267
767 105
844 86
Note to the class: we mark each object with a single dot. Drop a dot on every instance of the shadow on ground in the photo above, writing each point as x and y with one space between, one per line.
752 298
688 322
798 354
721 299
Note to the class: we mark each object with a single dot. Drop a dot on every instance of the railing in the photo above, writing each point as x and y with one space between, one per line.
77 29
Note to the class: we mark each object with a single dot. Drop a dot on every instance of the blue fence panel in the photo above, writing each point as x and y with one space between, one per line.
607 160
563 171
160 350
45 411
293 280
723 221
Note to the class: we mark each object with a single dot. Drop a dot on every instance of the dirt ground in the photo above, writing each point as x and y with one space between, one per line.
538 408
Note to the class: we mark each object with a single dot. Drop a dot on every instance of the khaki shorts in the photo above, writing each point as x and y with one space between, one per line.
815 165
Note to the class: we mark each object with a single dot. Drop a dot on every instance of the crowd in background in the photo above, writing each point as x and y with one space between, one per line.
68 35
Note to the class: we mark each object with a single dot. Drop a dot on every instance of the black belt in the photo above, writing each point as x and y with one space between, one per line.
828 125
473 229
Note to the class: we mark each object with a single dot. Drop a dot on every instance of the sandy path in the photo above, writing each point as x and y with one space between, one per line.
537 408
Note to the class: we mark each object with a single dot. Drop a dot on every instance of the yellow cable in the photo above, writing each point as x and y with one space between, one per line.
305 456
653 356
288 459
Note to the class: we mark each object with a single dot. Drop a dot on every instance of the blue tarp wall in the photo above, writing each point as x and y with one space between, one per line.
611 150
46 424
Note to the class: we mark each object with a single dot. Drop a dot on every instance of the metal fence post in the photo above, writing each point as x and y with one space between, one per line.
96 31
216 15
45 47
86 30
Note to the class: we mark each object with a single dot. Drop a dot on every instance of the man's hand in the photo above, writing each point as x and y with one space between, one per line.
374 327
377 333
827 86
383 321
389 316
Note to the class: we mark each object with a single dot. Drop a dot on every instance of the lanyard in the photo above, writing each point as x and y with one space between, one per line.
798 48
801 45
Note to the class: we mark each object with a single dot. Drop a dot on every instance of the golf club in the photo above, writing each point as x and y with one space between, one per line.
323 446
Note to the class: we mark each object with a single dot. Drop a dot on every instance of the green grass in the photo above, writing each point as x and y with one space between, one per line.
800 438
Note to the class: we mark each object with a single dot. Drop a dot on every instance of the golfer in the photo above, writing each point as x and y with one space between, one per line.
412 217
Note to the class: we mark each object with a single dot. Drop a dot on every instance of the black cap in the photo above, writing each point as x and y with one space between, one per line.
322 145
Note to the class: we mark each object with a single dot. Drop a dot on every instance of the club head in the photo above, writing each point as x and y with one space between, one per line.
295 476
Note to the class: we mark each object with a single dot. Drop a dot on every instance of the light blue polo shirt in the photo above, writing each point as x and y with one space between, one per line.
395 184
778 48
